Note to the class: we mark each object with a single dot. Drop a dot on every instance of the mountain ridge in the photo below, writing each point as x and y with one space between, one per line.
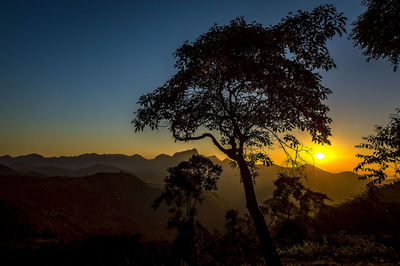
184 155
338 186
93 154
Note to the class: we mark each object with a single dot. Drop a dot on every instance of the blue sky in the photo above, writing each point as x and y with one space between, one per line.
71 72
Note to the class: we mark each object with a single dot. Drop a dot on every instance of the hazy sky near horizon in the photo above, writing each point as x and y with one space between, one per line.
71 73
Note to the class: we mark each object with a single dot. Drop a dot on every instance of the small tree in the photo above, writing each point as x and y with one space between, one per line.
292 200
385 148
377 30
183 192
292 205
242 85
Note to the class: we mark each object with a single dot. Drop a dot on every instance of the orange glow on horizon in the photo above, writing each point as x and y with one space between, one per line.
339 157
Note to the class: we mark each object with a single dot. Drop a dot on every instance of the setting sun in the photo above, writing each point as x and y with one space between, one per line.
319 155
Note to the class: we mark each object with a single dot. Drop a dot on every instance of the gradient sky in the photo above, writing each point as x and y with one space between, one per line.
71 73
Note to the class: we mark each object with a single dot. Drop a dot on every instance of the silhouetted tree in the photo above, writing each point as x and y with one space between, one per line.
183 193
385 151
244 85
292 200
377 30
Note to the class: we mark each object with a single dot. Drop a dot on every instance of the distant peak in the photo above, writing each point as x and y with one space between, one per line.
227 160
32 156
313 168
137 156
87 154
214 159
186 153
161 156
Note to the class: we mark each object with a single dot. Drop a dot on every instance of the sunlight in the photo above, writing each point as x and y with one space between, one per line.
319 155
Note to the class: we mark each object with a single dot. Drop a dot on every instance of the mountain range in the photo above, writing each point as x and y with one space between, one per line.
90 163
338 186
90 194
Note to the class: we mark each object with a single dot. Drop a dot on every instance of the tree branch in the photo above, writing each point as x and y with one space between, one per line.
205 135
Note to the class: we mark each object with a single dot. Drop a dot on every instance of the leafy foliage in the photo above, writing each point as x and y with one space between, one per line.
186 183
252 161
377 30
292 207
385 148
291 199
359 250
247 82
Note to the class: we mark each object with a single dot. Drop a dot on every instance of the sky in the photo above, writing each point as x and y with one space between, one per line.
71 73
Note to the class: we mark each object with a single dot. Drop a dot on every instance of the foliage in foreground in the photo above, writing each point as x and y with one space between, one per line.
377 31
356 250
234 247
183 193
384 147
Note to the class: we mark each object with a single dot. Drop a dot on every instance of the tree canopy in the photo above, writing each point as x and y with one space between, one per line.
248 82
292 199
377 30
385 151
185 185
183 193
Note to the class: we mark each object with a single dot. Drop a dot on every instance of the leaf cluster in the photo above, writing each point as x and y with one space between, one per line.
185 185
377 31
292 200
385 148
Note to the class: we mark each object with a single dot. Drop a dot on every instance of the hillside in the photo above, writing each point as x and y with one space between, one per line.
375 212
5 170
74 208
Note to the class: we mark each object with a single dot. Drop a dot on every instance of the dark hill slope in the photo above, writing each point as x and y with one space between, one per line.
376 211
74 208
5 170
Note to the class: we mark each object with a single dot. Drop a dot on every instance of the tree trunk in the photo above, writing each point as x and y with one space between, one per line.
193 250
268 248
